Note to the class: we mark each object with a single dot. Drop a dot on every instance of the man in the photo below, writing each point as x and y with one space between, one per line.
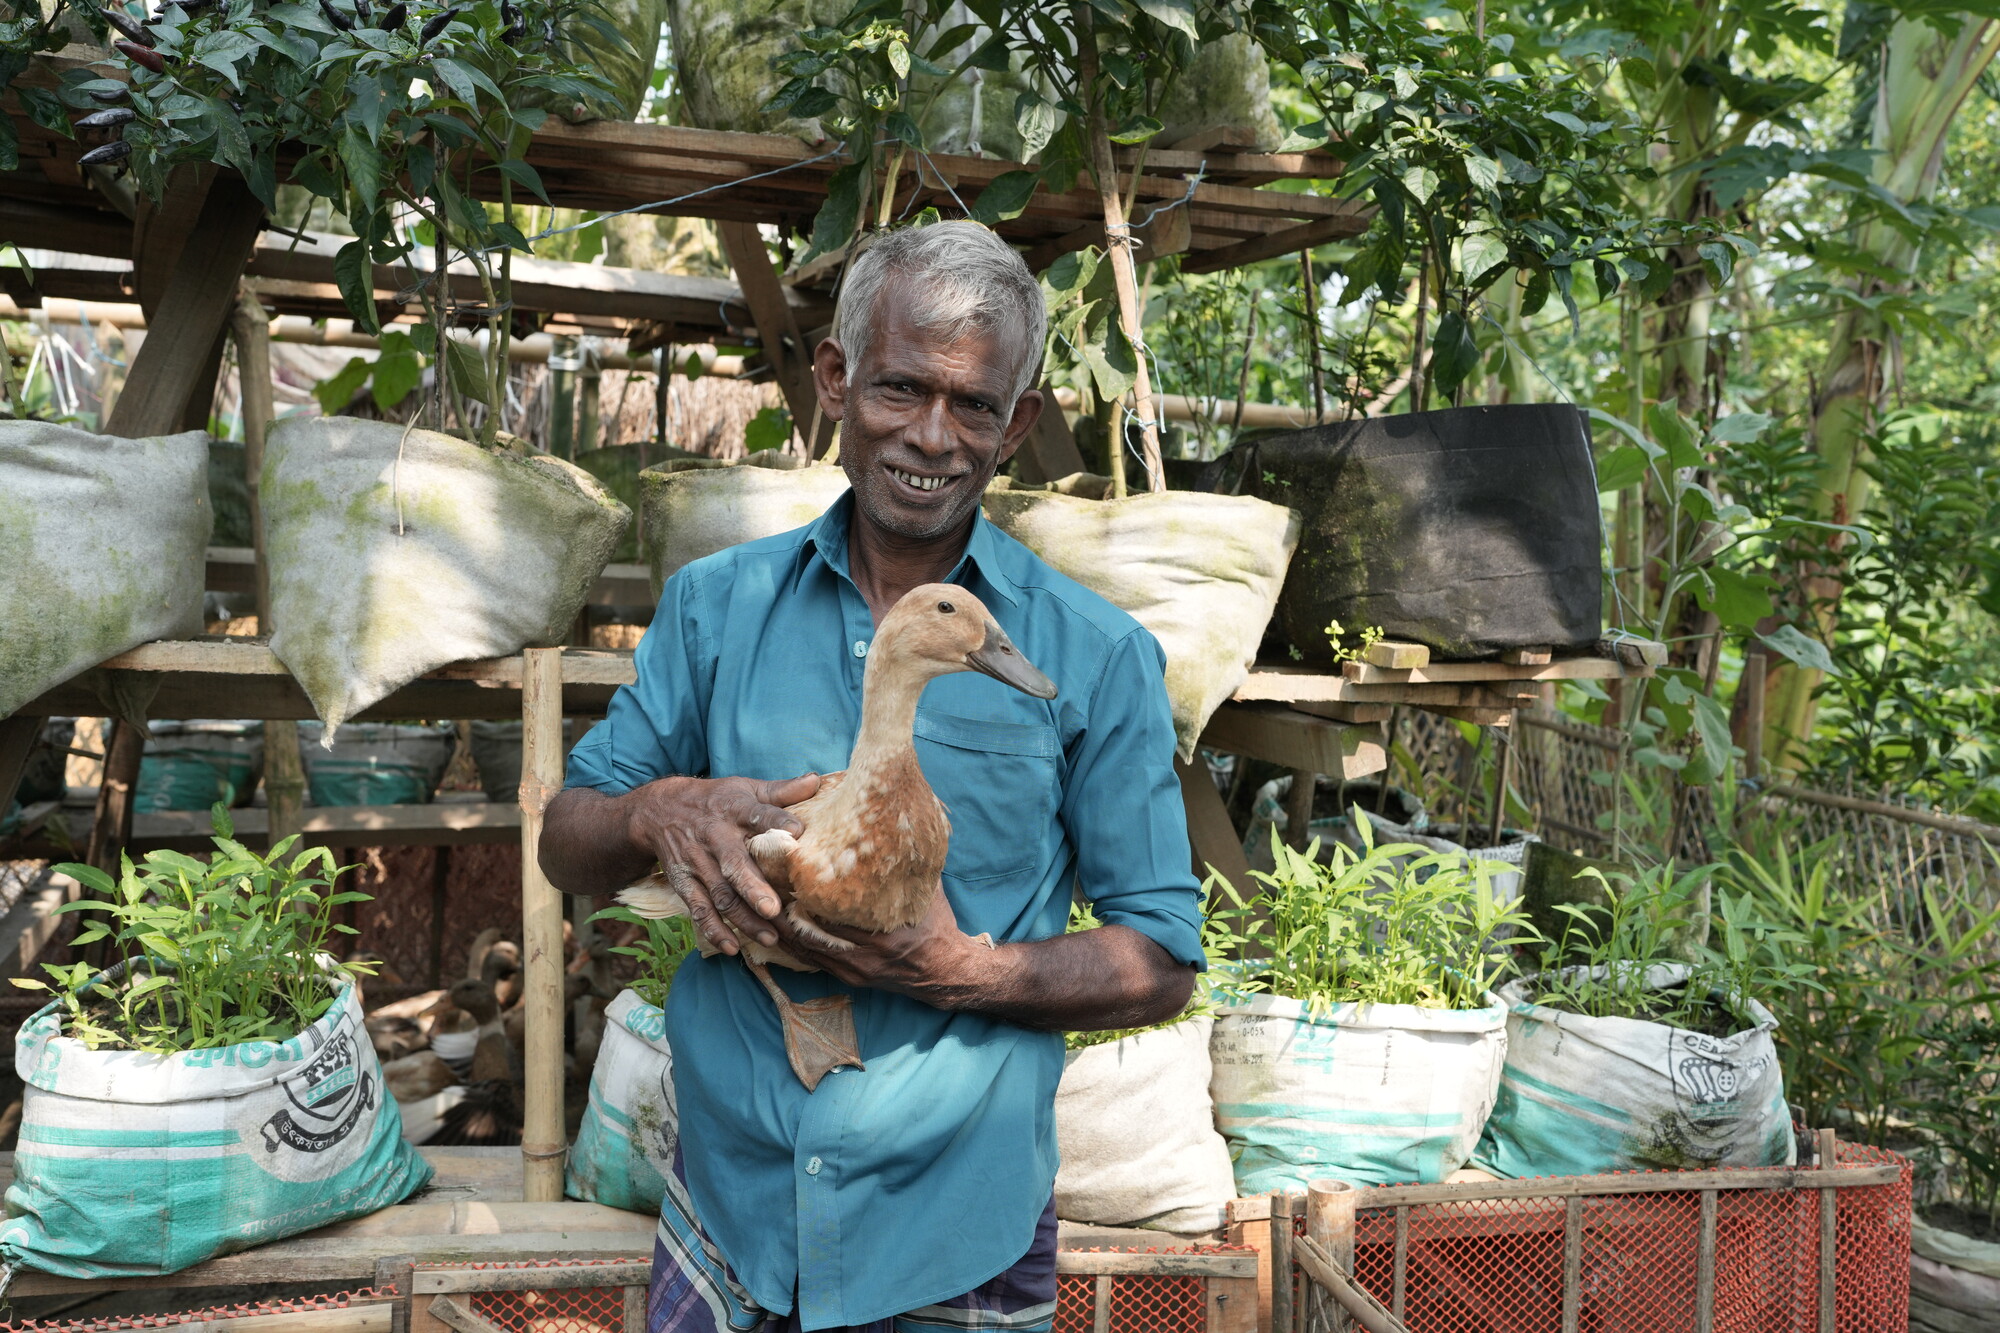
917 1191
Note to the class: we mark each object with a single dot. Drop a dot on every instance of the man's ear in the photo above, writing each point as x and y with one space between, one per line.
830 378
1028 409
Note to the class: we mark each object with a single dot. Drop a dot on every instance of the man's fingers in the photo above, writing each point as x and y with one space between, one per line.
701 911
781 793
745 920
748 882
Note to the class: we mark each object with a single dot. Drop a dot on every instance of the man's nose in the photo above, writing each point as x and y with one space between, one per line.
931 432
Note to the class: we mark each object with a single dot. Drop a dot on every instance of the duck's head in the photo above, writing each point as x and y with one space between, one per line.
939 628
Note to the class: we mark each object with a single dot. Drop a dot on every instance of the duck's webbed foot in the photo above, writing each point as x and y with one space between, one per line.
819 1034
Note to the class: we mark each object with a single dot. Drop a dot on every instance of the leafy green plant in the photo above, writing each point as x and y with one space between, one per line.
402 117
660 946
1962 1107
1082 917
1603 965
1393 923
211 954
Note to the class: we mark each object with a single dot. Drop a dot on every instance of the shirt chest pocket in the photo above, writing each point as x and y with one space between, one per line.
998 783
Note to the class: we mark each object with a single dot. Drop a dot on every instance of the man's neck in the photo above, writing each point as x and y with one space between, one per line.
885 566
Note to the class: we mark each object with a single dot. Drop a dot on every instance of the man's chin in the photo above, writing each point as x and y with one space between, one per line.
911 522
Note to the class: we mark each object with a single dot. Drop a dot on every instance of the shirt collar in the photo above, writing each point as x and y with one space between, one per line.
826 539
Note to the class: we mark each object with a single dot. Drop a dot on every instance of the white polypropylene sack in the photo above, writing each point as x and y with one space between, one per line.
1581 1096
1137 1135
624 1148
694 511
1202 572
393 556
1371 1094
132 1164
102 540
1954 1281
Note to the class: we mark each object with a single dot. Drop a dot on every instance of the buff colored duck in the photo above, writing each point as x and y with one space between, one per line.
875 834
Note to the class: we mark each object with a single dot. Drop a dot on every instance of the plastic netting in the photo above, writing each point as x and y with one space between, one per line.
1495 1265
212 1314
1139 1303
570 1310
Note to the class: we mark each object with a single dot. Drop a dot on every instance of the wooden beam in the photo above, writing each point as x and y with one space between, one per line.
1213 840
542 1138
31 923
18 735
1295 740
1050 450
1304 236
777 329
439 824
191 312
111 829
1165 1264
74 231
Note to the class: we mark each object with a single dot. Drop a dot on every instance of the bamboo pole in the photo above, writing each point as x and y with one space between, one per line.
1330 1206
284 769
1118 248
542 1142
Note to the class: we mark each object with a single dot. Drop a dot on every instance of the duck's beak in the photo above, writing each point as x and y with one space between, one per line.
1000 659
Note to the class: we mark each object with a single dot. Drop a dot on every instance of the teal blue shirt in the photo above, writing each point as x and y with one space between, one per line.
922 1176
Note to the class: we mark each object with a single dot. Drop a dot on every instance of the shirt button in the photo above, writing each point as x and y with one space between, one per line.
861 648
812 1166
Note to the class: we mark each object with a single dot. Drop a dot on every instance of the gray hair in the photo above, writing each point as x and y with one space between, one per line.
961 277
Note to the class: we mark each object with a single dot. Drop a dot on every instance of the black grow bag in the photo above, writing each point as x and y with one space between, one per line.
1472 530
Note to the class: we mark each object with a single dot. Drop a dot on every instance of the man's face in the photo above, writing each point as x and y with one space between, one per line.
925 422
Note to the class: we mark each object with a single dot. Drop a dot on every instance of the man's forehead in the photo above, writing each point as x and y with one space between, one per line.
902 344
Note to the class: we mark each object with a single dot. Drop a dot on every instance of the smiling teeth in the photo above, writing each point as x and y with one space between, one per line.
921 483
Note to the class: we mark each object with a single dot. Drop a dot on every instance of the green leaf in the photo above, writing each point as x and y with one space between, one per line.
837 216
769 429
525 176
899 59
1482 170
1711 723
232 145
368 104
1741 427
1072 272
1738 600
992 55
467 369
901 126
1305 138
1454 353
355 277
1790 642
1479 253
1175 14
1113 363
1006 197
1621 467
1421 182
1036 122
1135 129
1720 259
364 167
1671 431
396 373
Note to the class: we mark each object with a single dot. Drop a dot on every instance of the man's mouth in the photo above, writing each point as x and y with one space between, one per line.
916 482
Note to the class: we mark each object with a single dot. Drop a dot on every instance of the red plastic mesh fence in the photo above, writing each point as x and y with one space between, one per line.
570 1310
336 1301
1140 1303
1495 1265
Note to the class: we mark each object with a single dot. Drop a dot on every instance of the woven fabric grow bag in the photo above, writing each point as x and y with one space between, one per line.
624 1148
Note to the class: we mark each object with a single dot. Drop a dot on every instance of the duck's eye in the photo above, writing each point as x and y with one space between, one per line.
946 607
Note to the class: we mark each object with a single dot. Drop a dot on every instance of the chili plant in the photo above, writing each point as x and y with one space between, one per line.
660 946
212 954
1390 923
404 117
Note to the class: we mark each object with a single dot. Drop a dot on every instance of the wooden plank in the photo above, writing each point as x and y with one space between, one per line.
233 569
361 1317
1304 236
1354 714
1100 1302
111 826
1050 448
1396 654
1295 740
1399 1270
74 231
635 1305
1284 1291
1232 1305
1436 673
1636 1182
1829 1232
433 1281
204 695
1212 839
1478 716
1528 656
1328 1277
543 1143
31 923
253 657
461 1317
1704 1267
1172 1263
440 824
191 314
1633 652
18 735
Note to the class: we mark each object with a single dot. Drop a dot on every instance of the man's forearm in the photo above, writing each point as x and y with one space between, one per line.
1092 980
587 845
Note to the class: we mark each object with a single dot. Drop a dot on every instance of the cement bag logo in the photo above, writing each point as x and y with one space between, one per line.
319 1109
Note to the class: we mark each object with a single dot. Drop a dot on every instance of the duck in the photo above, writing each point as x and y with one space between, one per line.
875 834
489 1114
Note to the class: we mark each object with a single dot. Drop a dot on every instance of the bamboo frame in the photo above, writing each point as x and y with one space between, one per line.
543 1143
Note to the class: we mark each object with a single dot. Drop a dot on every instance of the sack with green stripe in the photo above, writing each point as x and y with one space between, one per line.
133 1164
1373 1094
624 1148
1582 1095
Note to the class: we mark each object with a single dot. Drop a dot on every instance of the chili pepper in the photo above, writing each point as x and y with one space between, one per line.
110 95
364 13
436 26
335 17
110 152
104 120
513 34
141 56
395 16
130 26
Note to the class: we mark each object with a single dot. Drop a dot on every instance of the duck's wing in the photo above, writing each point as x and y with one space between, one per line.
655 899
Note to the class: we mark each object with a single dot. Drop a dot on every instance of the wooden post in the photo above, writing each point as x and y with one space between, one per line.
1502 779
1100 1304
1299 807
589 399
1118 249
542 1142
1704 1266
1284 1281
1399 1276
1572 1292
191 313
17 741
1330 1221
284 770
777 331
1829 1235
111 829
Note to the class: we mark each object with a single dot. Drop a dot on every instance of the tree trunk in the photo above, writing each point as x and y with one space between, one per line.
1925 78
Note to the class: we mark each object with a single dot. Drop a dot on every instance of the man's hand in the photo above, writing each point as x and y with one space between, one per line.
1091 980
700 830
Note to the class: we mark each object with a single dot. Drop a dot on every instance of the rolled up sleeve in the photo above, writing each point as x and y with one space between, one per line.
655 727
1122 805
